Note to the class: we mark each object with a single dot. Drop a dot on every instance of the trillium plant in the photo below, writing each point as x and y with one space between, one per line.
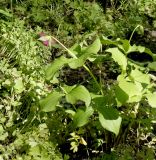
133 87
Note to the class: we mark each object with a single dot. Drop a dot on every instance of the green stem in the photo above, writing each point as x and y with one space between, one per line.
87 69
133 33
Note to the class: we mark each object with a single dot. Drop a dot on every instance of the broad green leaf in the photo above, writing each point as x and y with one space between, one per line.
151 97
112 125
148 51
106 41
87 53
132 49
55 66
76 49
140 49
135 48
68 89
121 96
109 119
49 103
75 93
80 61
118 57
99 101
82 117
131 92
125 45
152 66
94 47
108 116
19 86
140 77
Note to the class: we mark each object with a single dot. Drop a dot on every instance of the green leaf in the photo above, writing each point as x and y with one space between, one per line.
152 66
151 97
148 51
69 111
106 41
110 120
125 45
76 49
94 47
131 92
49 103
55 66
99 101
112 125
87 53
75 93
82 117
118 57
121 96
132 49
19 86
140 77
79 62
108 116
140 49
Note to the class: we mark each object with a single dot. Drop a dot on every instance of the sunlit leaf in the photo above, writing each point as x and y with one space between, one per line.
94 47
76 49
140 77
141 50
151 97
49 103
152 66
55 66
75 93
106 41
125 45
108 116
112 125
80 61
128 91
82 117
118 57
87 53
121 96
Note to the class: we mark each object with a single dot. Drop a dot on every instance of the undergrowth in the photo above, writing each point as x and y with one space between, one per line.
71 85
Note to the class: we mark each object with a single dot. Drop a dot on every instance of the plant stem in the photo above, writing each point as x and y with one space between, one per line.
87 69
133 32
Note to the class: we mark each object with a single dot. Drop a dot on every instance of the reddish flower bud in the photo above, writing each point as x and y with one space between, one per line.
46 43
